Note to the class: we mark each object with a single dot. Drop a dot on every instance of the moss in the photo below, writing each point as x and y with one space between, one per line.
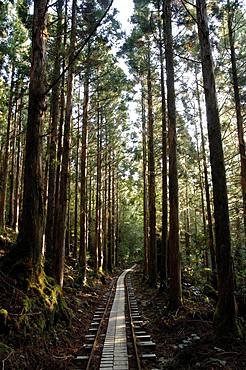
3 320
3 313
226 323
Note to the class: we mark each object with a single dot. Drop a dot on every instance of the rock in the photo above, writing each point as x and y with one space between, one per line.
216 361
218 349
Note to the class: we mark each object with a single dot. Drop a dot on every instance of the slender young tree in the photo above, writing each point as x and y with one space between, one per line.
97 244
83 173
151 183
5 173
75 246
209 233
145 192
238 106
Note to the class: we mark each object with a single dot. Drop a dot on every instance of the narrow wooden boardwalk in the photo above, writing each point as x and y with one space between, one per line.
114 355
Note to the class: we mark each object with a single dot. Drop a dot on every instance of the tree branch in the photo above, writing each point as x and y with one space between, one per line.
183 2
76 55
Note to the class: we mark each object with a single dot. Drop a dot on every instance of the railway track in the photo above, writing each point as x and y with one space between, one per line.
116 339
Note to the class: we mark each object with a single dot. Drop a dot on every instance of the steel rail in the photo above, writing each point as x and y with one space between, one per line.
93 350
134 339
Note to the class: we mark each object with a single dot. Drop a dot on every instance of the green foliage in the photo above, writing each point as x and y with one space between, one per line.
5 349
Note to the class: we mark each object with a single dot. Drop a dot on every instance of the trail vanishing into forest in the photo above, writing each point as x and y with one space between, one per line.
122 143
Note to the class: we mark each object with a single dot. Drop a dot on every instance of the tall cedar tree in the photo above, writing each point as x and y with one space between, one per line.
4 174
145 192
83 173
224 317
175 295
163 268
31 229
151 183
209 231
61 226
50 218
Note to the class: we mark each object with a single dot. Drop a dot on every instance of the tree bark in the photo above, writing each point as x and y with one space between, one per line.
109 218
105 208
97 244
151 173
30 238
163 270
175 294
224 317
83 173
145 191
12 175
75 243
50 218
5 173
18 166
238 110
61 221
210 236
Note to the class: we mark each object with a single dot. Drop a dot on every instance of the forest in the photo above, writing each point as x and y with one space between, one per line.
119 148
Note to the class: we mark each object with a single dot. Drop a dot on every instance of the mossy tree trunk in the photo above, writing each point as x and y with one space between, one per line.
30 237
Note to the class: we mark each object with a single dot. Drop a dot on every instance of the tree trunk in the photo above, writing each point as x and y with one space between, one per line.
201 185
18 166
145 191
61 221
210 238
175 294
12 175
105 210
151 195
50 218
75 243
238 111
83 173
163 270
89 210
117 221
5 173
97 244
109 204
30 238
113 209
224 318
60 133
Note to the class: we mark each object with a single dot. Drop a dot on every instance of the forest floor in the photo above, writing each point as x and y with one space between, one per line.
185 339
55 348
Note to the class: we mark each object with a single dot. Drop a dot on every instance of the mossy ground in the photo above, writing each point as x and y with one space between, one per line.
44 327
